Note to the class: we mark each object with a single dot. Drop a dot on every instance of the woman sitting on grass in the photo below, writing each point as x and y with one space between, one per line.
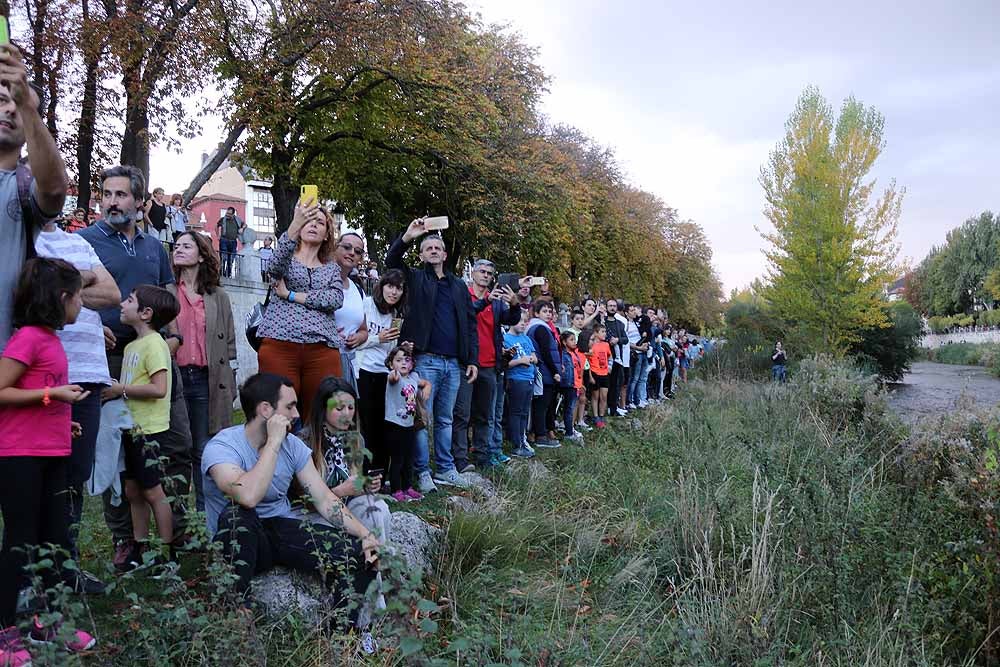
338 452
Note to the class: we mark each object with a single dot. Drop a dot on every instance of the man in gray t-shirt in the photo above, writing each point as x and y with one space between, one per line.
230 446
248 471
21 124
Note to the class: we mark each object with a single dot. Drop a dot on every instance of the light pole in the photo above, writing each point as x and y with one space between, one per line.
339 217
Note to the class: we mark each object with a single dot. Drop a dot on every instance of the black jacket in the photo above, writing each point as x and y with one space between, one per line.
421 284
503 315
616 330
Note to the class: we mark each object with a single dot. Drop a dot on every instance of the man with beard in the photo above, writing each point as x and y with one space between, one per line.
135 258
28 198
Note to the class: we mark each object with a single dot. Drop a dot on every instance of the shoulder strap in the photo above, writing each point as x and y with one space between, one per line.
23 176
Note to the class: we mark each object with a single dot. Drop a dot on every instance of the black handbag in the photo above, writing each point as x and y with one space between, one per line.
254 319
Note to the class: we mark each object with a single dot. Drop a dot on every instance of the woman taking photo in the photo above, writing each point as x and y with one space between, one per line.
299 338
350 317
208 345
387 303
549 363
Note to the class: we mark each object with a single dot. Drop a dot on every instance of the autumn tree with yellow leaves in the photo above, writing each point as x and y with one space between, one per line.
833 246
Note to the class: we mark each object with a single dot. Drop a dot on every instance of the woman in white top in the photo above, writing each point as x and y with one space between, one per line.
386 304
350 317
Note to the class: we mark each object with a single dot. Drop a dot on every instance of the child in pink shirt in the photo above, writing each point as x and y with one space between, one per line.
35 439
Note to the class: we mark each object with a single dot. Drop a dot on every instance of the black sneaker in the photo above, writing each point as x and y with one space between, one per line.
84 582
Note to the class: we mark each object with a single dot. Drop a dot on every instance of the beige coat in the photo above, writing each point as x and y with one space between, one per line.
220 347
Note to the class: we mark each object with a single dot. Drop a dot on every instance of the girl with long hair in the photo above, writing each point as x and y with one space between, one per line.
385 309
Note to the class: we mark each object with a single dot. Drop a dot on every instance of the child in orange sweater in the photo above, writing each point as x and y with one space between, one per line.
599 357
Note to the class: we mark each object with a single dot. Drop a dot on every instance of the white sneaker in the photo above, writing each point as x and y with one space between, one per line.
621 413
425 484
643 404
630 406
368 644
451 478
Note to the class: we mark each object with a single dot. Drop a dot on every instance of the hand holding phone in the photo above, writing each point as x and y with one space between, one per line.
309 195
436 224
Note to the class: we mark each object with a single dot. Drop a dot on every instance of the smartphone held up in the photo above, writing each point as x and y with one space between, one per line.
308 194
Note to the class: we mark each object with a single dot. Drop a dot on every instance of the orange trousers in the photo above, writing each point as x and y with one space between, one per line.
305 364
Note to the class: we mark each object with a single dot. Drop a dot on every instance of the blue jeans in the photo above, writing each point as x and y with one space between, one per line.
519 394
445 375
643 387
496 424
195 380
778 372
569 407
640 366
227 248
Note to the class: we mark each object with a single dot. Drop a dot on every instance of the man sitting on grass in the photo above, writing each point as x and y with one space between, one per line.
248 470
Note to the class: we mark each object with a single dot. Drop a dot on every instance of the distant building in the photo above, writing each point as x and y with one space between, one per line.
895 291
236 187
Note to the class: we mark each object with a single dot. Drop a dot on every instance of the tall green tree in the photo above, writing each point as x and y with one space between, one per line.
833 247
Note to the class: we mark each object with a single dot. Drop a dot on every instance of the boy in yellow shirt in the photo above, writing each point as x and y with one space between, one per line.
145 386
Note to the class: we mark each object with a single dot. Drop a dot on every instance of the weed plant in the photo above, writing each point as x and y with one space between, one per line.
742 524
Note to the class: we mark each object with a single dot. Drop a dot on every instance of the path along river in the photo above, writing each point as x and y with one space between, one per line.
931 388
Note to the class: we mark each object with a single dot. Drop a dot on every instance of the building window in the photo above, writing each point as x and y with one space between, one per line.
264 226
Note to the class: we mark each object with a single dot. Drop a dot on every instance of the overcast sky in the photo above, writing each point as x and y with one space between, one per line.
693 96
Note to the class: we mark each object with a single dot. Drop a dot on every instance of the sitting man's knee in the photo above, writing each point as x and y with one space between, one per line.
236 516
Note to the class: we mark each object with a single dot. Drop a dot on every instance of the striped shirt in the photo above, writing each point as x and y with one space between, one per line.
83 341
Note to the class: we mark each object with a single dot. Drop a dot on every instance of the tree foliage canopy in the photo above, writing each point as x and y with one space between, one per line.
962 275
833 247
395 109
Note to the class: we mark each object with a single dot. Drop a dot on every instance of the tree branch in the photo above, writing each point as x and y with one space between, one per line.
221 153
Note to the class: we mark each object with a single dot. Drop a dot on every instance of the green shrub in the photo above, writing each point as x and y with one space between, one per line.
889 350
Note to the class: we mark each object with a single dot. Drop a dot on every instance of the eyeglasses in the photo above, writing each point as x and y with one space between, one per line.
357 250
486 272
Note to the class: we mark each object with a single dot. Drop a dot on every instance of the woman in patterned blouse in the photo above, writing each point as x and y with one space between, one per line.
299 337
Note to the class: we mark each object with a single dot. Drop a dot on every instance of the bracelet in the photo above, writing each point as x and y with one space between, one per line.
45 396
124 396
291 297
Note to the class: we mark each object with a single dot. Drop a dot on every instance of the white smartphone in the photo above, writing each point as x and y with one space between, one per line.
537 281
436 224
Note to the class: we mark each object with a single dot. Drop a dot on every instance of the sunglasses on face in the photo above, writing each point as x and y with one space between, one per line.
357 250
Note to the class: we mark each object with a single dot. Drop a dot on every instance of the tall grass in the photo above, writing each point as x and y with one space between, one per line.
742 524
967 354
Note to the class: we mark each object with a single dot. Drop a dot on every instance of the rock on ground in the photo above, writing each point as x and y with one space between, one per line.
415 540
479 485
282 591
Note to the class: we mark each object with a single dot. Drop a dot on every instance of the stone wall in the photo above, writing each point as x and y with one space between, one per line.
937 340
244 295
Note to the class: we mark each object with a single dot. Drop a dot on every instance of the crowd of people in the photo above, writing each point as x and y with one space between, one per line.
118 378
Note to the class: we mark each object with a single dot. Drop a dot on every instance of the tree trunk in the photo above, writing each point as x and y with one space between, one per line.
282 189
38 46
52 98
223 151
135 141
88 110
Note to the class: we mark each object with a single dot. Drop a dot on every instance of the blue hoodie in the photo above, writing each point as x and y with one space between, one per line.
566 375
